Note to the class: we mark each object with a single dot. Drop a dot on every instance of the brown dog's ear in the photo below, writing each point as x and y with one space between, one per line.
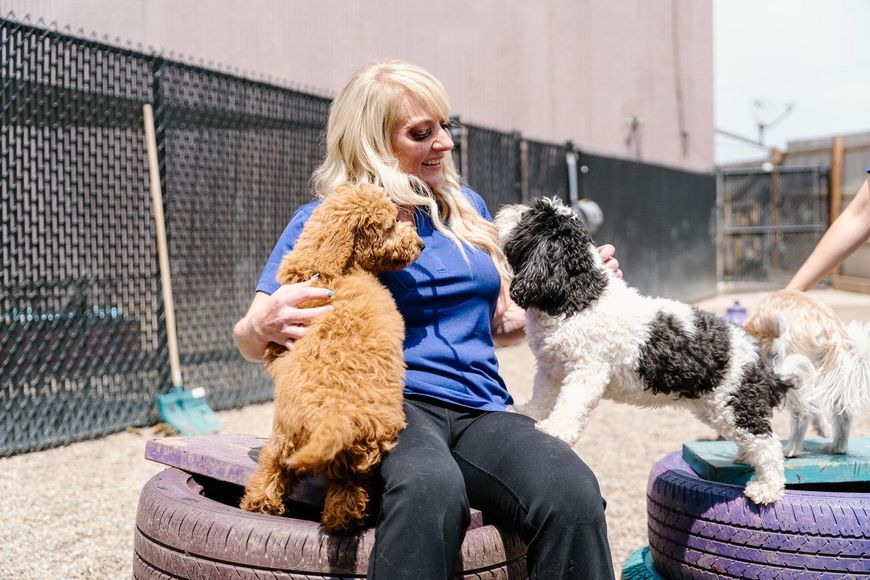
326 245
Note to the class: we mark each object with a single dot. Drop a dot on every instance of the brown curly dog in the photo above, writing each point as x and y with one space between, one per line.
338 391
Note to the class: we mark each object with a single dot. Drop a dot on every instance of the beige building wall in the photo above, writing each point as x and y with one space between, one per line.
627 78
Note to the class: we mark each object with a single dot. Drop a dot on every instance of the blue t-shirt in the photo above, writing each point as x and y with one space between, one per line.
447 304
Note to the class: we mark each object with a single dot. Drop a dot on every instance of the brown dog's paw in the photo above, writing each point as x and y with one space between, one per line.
261 503
344 509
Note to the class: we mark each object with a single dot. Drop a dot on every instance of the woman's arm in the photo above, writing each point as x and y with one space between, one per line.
845 235
275 318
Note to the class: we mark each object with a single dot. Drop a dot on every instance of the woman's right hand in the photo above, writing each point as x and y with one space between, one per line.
277 318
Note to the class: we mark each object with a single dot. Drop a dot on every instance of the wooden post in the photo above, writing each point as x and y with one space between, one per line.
775 236
836 184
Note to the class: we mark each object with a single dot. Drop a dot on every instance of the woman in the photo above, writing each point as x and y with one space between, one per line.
389 126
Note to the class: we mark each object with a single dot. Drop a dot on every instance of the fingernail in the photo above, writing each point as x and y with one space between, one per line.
329 294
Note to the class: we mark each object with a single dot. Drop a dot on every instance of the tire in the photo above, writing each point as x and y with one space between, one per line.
187 526
704 529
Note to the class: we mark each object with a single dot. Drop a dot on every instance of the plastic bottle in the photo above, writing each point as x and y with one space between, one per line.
736 314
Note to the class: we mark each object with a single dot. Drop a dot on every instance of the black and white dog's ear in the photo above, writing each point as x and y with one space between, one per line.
559 276
542 281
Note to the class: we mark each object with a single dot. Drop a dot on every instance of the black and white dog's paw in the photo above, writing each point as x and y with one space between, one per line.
567 433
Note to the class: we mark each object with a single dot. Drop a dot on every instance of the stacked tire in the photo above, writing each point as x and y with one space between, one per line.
705 530
188 526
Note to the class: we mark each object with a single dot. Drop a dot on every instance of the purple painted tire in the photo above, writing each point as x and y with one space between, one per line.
705 529
187 526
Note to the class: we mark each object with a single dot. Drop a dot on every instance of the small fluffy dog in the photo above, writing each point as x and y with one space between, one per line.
338 391
595 337
828 362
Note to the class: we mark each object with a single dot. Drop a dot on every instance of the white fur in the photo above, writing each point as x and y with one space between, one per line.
828 361
594 354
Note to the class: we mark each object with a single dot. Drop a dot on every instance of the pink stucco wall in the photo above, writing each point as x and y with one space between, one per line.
552 69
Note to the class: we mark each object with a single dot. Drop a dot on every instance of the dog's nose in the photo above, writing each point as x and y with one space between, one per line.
421 245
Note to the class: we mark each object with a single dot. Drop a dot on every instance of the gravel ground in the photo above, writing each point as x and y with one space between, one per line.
69 512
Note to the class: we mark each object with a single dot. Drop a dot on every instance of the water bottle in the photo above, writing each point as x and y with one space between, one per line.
736 314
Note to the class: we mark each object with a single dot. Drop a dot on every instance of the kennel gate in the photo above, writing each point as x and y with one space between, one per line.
769 222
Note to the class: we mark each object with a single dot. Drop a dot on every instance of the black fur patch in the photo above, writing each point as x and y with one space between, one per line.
760 391
553 269
673 362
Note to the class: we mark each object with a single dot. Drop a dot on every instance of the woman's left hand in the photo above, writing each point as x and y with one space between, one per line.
607 253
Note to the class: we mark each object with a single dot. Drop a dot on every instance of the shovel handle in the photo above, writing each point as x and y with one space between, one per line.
162 246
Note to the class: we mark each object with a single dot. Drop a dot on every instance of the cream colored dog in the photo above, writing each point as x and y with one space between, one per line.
828 362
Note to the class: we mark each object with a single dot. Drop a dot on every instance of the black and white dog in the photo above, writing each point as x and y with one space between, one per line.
595 337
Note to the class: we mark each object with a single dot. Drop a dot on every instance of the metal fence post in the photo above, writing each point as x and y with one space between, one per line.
571 168
463 148
519 170
524 171
456 133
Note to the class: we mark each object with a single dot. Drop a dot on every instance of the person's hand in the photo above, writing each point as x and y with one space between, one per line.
277 317
607 253
509 321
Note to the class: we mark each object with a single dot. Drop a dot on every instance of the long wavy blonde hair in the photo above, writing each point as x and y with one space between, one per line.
358 150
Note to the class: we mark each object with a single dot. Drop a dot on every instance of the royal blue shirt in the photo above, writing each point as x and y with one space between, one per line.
447 304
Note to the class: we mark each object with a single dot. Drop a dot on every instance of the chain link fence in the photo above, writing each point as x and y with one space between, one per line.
661 220
235 158
82 342
81 345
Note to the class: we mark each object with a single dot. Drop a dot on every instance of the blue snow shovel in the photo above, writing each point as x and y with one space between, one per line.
184 410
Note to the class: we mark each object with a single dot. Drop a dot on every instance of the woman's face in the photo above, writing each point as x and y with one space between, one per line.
420 141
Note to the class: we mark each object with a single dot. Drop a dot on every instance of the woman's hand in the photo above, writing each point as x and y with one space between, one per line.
509 321
607 253
277 318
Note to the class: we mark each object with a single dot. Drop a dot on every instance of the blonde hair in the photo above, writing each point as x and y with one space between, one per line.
359 151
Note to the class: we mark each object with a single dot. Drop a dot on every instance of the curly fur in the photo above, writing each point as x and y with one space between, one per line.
594 337
338 391
828 361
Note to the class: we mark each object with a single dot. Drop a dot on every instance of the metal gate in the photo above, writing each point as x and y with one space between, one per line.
770 221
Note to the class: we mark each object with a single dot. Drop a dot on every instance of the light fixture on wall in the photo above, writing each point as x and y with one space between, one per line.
634 123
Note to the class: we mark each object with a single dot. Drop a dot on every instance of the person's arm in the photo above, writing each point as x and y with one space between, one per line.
276 318
848 232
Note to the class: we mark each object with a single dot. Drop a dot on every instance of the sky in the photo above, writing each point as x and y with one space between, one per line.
811 55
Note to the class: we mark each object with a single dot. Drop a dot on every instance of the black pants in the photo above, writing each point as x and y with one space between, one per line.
448 459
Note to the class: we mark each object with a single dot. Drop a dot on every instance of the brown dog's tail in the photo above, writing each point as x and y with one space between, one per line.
335 433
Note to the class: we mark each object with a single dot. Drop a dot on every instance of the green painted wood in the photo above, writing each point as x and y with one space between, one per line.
714 461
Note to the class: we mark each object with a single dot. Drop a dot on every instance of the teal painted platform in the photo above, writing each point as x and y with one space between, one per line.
713 460
639 566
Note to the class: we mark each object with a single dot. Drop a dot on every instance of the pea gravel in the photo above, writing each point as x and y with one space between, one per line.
69 512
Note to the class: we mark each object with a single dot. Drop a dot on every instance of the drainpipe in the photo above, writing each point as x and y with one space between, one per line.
571 162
